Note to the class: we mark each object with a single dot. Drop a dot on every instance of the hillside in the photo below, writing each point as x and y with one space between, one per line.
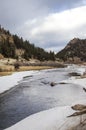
75 51
12 46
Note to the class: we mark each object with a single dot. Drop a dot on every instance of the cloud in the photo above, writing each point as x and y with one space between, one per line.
56 29
47 23
14 13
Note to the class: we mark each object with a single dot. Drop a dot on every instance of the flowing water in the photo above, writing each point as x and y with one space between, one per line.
34 94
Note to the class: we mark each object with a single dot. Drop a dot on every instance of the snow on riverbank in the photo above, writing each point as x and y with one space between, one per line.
7 82
76 68
74 80
53 119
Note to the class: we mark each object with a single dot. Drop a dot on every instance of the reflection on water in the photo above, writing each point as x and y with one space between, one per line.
35 94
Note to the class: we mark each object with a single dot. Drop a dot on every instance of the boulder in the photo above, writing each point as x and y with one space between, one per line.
78 107
52 84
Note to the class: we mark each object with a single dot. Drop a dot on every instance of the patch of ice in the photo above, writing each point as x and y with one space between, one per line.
76 68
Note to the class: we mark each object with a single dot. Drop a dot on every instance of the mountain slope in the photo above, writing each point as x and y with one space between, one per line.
12 46
75 50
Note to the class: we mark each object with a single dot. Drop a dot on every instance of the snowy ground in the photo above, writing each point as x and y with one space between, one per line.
74 80
53 119
7 82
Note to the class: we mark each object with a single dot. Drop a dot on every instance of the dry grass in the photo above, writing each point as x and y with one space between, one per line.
7 69
27 68
5 73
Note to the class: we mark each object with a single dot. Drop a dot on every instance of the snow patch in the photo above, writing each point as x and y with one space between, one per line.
7 82
51 119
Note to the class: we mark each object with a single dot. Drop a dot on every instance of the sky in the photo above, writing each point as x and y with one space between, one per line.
49 24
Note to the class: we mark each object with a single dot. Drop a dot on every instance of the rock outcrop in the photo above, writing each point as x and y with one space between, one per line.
75 51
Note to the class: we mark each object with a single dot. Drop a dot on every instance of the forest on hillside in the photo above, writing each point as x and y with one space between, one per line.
10 43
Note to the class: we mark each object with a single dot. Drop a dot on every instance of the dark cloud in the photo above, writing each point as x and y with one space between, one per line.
15 12
60 5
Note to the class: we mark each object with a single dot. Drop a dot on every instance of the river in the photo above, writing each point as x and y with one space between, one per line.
34 94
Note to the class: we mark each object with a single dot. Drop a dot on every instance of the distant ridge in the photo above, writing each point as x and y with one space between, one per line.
75 51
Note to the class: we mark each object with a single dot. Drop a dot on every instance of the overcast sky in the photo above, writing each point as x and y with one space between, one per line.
49 24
